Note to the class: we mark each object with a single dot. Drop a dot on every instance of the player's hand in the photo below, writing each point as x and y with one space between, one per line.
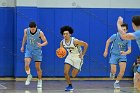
81 56
39 44
105 54
57 49
123 53
22 49
120 20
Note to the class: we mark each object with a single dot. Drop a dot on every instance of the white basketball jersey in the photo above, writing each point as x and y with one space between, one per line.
71 47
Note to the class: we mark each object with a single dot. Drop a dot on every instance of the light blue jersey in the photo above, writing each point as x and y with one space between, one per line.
137 37
32 49
119 44
32 40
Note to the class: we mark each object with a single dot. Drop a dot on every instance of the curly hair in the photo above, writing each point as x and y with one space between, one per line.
66 28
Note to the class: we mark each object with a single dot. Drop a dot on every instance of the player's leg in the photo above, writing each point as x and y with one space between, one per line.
37 55
138 78
113 71
27 69
38 69
77 64
121 73
134 78
67 68
75 72
122 70
39 73
113 62
27 66
122 64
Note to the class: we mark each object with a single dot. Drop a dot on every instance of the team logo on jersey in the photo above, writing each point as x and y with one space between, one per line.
121 46
32 41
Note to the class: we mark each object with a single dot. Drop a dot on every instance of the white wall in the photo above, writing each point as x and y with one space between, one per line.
80 3
30 3
89 3
7 3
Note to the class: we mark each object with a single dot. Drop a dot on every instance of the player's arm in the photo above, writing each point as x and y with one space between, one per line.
81 43
106 47
43 38
124 35
127 52
129 49
24 40
61 45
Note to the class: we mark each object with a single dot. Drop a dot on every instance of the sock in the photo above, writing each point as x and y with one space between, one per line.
116 81
70 85
28 72
112 73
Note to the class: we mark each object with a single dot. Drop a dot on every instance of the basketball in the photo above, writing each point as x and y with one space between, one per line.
61 52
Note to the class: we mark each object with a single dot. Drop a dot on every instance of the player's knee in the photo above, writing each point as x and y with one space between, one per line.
66 73
27 60
38 68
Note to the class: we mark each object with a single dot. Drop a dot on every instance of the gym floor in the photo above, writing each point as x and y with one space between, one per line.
58 86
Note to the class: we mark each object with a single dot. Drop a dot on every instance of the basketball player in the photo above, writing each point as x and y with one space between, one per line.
132 36
119 49
135 67
33 36
75 55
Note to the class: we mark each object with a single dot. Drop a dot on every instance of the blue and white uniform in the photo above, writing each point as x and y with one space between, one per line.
73 54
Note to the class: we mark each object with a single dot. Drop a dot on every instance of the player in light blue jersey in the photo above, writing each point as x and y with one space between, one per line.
132 36
33 36
119 49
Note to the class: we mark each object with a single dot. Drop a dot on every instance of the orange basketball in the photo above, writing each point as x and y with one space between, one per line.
61 52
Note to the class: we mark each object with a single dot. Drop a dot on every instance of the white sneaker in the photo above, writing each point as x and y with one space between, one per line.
39 90
29 78
39 84
27 91
116 85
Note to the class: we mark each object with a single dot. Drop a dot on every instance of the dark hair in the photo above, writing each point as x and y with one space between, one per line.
32 24
124 25
66 28
136 20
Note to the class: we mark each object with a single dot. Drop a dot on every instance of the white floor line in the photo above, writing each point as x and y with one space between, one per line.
2 86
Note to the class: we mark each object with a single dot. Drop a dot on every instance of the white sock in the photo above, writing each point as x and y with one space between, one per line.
134 75
112 73
28 72
116 81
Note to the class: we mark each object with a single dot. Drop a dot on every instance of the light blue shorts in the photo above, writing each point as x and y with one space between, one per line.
35 54
115 59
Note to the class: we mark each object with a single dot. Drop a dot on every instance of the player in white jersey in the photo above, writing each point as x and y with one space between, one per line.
75 55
